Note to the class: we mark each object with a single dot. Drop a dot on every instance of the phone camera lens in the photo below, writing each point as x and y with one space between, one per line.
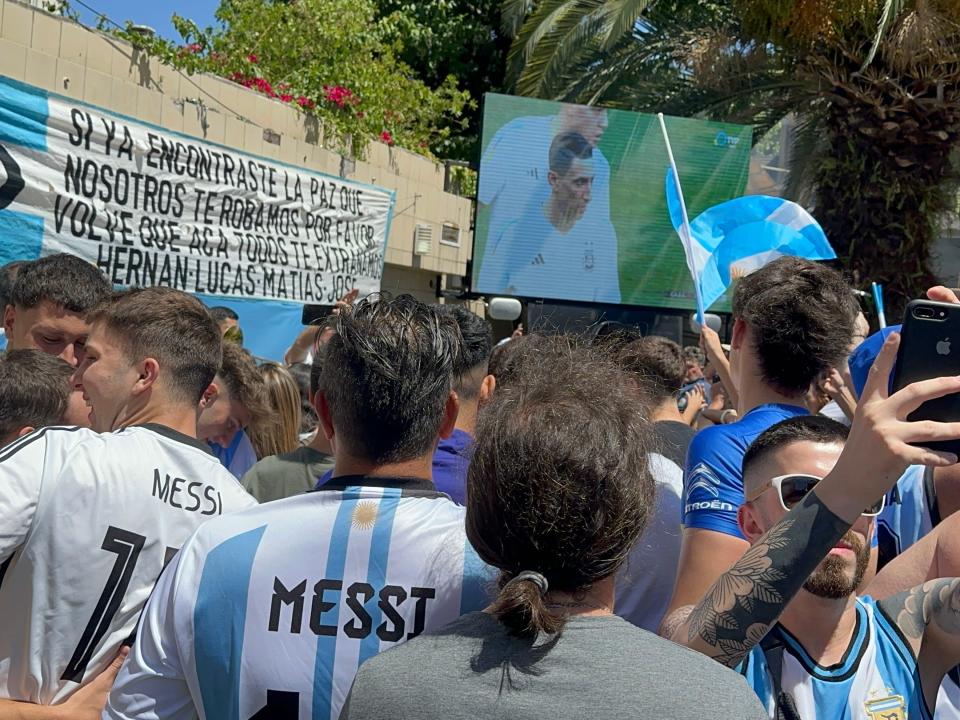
923 313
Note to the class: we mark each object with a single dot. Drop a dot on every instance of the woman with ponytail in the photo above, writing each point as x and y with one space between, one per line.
558 492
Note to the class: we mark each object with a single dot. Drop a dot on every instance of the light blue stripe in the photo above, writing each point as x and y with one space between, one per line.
218 620
377 566
23 115
476 577
327 645
22 236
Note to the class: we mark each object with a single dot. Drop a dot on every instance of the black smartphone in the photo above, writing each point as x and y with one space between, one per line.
315 314
930 348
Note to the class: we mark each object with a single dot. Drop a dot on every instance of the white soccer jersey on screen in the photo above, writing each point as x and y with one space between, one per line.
269 613
87 522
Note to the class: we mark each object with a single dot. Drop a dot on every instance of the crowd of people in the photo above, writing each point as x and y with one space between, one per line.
408 521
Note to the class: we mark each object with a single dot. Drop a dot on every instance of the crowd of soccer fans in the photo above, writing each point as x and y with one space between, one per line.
408 522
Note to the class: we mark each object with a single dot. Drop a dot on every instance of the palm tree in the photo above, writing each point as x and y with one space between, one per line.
873 84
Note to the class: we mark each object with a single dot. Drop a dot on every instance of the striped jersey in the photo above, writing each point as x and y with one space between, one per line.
268 613
87 522
876 679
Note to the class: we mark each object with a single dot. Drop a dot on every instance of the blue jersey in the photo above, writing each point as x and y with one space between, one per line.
270 614
713 483
877 677
910 513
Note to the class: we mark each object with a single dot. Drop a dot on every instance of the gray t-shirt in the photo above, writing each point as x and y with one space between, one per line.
600 668
292 473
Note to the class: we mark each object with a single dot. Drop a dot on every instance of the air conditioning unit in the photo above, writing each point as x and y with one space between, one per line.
450 235
422 240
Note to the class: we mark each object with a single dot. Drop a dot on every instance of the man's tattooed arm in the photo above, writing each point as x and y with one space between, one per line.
928 616
746 601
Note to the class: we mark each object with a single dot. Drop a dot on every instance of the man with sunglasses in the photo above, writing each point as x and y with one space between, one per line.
833 654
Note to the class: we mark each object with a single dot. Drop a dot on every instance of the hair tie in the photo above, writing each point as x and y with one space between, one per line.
531 576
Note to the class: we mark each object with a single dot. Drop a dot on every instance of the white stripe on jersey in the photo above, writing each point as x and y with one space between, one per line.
277 606
87 522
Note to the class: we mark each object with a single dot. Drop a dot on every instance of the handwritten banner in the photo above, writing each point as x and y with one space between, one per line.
150 207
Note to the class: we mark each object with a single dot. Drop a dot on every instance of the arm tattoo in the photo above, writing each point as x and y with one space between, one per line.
936 601
746 601
674 621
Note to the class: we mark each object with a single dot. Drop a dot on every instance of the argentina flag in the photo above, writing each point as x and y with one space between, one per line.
735 238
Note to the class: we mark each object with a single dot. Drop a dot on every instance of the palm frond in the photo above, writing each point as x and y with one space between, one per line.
620 17
513 13
891 10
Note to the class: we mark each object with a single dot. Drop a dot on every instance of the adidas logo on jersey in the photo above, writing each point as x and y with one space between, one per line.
538 260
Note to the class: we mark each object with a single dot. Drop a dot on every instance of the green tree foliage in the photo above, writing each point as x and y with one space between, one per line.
451 38
874 85
333 59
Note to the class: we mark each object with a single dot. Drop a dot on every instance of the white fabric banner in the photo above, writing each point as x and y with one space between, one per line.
150 207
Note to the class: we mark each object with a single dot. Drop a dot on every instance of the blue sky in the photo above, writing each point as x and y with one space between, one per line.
155 13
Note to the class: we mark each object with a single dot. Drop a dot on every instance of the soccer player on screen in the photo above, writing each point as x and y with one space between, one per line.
88 518
557 249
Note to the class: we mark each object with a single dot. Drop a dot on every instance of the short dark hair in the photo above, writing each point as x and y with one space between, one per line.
34 390
238 370
802 428
170 326
62 279
219 313
477 339
316 370
559 481
8 276
387 374
693 354
565 149
657 365
801 315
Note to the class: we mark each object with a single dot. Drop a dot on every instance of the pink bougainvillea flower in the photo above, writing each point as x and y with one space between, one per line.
386 137
285 97
253 58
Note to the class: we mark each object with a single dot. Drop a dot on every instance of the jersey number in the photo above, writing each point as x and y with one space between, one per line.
127 546
281 705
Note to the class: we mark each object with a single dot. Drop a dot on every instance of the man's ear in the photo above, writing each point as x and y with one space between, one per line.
739 334
750 522
148 373
210 395
487 388
25 431
450 413
9 315
323 412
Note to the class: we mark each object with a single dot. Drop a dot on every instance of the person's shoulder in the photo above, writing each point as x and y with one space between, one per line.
52 438
714 439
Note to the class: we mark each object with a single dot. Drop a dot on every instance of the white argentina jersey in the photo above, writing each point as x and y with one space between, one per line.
87 522
875 680
268 613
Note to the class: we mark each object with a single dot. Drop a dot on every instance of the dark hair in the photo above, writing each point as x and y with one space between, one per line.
559 482
565 149
809 428
316 369
62 279
801 315
34 390
8 276
387 374
693 354
302 373
238 370
219 313
657 365
170 326
477 345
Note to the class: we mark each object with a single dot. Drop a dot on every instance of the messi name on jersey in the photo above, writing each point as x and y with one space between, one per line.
189 495
325 598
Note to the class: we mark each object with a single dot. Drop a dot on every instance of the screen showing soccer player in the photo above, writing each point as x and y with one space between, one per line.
571 200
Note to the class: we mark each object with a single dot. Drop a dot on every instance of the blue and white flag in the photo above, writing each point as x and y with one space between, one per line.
735 238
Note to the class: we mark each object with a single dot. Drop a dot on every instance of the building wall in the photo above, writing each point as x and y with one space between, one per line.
64 57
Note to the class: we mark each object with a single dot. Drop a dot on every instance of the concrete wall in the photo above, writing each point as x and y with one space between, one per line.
61 56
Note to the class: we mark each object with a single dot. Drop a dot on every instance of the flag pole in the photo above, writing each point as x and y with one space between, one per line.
685 236
878 303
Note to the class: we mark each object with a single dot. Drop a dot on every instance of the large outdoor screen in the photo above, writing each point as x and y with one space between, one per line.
572 206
